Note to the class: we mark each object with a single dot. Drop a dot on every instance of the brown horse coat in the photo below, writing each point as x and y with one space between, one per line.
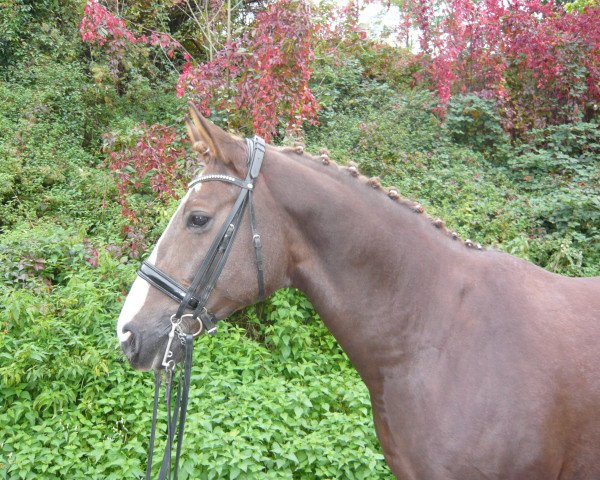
479 365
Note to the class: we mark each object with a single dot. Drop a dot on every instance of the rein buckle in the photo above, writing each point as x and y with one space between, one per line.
208 320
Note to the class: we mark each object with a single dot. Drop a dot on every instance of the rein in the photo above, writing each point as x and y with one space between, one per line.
195 298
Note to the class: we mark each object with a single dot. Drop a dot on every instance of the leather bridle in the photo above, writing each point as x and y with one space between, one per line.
195 298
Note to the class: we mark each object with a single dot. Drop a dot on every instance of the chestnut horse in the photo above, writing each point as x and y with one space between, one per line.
479 365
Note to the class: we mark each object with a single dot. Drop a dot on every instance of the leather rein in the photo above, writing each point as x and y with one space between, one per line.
195 298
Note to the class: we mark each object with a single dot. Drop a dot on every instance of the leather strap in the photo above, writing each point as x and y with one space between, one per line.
187 375
255 163
160 280
175 417
257 242
196 297
165 468
157 382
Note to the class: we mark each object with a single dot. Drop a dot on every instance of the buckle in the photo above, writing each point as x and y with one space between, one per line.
167 360
209 321
257 241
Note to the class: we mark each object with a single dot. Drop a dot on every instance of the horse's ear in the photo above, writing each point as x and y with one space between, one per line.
212 142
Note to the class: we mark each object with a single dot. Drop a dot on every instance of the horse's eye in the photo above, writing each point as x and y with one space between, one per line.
197 220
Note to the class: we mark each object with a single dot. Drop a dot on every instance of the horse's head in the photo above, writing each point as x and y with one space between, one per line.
203 215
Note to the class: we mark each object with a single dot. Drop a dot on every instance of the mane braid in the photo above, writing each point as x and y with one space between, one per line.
392 193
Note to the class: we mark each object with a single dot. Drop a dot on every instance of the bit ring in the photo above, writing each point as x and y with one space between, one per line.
200 324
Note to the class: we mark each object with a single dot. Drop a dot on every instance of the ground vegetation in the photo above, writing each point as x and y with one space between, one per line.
93 157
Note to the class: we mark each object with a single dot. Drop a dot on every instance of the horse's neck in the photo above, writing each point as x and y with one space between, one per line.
372 269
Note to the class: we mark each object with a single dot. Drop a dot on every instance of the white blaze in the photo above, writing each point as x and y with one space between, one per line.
133 304
139 290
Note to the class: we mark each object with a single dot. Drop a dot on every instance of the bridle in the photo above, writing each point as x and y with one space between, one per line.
195 298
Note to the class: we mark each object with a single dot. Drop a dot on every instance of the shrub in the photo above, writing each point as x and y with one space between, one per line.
251 414
14 17
539 61
559 170
45 167
475 122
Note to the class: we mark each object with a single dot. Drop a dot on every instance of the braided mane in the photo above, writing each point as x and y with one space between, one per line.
375 183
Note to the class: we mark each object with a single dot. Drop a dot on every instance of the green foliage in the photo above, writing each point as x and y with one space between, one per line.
272 397
53 377
366 117
579 5
43 130
559 170
44 254
475 122
382 62
538 200
34 30
14 15
570 151
289 407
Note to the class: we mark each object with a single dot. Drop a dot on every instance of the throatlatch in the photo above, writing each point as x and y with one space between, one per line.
195 298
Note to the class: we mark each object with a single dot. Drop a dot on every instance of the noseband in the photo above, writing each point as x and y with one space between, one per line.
195 298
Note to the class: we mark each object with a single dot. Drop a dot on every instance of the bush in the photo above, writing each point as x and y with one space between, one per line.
251 414
547 195
45 166
559 172
570 151
475 122
367 119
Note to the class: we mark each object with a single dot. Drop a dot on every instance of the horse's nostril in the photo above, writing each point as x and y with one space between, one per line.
126 335
129 343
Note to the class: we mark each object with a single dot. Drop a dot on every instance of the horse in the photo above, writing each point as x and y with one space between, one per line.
479 365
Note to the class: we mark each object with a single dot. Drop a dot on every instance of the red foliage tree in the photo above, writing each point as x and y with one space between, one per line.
261 78
264 75
109 33
540 62
153 159
101 27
